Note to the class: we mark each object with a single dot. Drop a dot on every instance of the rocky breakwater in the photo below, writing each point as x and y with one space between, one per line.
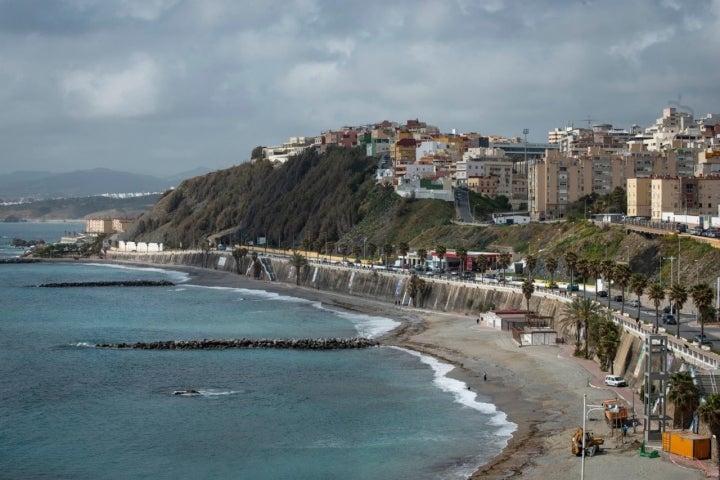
122 283
280 343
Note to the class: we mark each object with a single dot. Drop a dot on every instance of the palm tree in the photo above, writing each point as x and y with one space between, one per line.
638 282
606 337
571 260
702 296
594 272
298 261
372 249
440 251
482 264
656 293
530 264
416 287
607 267
528 288
422 255
551 265
503 262
239 255
583 268
683 393
622 276
709 412
580 313
678 295
462 253
403 249
387 251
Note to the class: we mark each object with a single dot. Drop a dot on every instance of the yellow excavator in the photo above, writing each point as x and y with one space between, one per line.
592 443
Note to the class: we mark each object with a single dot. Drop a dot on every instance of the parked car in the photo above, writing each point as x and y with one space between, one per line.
615 381
695 231
617 298
669 319
667 309
634 303
602 293
551 285
573 287
702 339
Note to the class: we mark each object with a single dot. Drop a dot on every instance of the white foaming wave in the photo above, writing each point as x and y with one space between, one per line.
218 393
83 345
175 275
462 395
366 325
260 294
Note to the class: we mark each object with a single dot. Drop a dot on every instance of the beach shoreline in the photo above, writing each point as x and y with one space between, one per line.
540 389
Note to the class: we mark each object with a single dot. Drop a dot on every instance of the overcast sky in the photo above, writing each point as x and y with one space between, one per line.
164 86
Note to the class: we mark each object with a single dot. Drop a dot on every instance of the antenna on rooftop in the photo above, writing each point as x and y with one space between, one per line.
590 121
680 106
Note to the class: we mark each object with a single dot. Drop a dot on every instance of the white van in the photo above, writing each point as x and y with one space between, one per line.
615 381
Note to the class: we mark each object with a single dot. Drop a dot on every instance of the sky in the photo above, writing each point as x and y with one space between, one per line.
165 86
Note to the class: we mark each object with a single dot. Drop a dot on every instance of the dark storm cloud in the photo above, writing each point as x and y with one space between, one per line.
157 85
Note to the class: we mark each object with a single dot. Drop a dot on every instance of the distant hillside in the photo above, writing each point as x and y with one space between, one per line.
75 208
82 183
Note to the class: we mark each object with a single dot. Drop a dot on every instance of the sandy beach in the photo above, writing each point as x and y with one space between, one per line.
539 388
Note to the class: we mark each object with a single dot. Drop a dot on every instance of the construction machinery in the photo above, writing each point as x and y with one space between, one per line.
615 412
592 443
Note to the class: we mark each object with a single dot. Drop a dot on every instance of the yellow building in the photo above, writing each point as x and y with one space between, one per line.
99 225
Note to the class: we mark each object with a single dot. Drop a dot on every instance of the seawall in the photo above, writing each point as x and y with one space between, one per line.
441 295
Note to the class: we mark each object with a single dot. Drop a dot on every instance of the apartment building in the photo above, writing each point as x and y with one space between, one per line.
99 225
651 197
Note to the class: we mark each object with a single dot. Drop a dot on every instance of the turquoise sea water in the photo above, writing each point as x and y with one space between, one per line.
69 410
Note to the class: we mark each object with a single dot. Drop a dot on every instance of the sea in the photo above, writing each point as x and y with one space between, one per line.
70 410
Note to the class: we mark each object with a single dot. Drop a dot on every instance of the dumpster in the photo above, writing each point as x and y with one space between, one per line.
687 444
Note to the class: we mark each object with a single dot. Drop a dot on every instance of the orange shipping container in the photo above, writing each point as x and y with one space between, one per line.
687 444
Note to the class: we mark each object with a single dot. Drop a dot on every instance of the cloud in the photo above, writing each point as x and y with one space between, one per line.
147 10
108 92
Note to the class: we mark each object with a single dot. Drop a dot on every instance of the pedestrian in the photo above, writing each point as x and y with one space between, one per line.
485 376
624 430
478 321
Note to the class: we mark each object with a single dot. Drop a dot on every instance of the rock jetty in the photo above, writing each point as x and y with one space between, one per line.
124 283
280 343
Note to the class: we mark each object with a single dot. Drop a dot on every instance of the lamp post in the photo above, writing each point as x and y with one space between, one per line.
525 133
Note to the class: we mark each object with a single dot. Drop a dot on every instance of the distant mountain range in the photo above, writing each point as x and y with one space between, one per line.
33 185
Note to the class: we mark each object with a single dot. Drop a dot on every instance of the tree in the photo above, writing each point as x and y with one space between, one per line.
372 249
257 153
583 268
622 276
638 282
482 264
403 249
678 295
462 253
298 261
709 412
551 265
571 260
656 293
416 288
594 272
503 262
422 255
440 251
683 393
605 335
528 288
387 251
702 296
530 264
607 267
239 255
580 313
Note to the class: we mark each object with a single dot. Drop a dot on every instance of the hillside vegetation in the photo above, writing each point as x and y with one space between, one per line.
333 197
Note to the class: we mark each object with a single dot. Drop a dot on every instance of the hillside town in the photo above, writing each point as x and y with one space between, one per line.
669 170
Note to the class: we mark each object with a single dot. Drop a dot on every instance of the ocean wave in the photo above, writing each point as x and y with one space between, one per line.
368 326
462 394
82 345
175 275
212 392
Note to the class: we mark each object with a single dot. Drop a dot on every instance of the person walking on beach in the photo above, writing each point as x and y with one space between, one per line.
484 376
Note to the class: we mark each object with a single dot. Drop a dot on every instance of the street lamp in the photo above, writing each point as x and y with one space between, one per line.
671 270
525 133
